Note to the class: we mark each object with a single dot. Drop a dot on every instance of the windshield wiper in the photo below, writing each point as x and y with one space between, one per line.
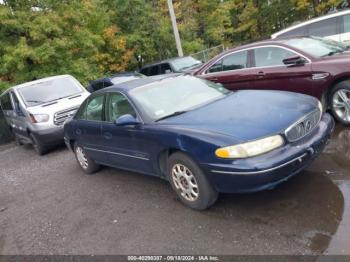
35 101
171 115
334 52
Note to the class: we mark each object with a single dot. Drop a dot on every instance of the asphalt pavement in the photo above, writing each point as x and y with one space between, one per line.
49 206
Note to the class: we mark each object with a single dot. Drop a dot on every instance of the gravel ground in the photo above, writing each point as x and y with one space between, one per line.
49 206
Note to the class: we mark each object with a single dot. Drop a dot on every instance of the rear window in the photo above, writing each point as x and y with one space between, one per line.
6 102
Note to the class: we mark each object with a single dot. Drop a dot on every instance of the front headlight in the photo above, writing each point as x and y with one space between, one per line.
39 118
250 149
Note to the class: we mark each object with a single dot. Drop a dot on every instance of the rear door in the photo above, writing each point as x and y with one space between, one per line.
271 73
232 70
7 107
87 130
125 146
19 118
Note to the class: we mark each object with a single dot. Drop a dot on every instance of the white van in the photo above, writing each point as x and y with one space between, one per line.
37 110
334 26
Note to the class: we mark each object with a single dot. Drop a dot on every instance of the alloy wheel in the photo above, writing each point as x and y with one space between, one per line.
185 182
341 104
81 158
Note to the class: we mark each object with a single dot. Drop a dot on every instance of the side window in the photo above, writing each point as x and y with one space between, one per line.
235 61
94 108
346 19
217 67
118 105
271 56
300 31
325 27
16 104
81 113
6 102
153 70
145 71
165 68
97 85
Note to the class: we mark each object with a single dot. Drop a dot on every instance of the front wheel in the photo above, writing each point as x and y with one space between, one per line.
340 102
190 183
39 148
88 165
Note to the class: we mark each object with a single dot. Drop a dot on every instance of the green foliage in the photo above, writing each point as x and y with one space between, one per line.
92 38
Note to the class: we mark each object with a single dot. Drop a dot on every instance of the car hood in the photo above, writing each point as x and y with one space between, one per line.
247 115
59 105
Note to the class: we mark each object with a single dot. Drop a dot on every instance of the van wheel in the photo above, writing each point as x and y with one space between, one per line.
88 165
190 183
339 101
18 140
39 148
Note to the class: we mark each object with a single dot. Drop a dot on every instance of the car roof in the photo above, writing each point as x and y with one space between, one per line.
163 61
310 21
127 86
130 73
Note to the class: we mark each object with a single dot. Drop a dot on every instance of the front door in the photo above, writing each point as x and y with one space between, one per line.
232 71
124 144
271 73
88 128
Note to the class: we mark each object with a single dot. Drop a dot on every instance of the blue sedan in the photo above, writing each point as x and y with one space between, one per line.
199 136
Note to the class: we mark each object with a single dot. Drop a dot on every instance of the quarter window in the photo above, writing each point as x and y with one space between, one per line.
217 67
323 28
6 102
346 19
118 105
271 56
94 108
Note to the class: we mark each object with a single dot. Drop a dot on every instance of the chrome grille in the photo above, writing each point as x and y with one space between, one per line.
303 127
62 116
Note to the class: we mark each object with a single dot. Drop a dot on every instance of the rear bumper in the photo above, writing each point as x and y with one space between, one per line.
268 170
52 136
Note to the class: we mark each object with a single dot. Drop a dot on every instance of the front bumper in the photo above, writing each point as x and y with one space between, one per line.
268 170
51 136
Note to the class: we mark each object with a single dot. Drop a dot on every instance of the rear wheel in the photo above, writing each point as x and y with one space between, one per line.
39 148
190 183
339 101
88 165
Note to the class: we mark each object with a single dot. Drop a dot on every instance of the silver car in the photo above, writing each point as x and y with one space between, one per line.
37 110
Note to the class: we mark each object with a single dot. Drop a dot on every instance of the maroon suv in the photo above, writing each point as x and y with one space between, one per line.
308 65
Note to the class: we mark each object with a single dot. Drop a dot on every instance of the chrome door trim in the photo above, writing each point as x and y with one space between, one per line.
252 48
299 158
114 153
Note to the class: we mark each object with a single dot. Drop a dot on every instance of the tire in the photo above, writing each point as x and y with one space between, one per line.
39 148
200 197
88 165
339 102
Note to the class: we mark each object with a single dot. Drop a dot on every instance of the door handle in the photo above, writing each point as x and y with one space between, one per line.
261 74
107 135
214 79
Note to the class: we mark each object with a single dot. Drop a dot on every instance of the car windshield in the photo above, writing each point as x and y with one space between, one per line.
49 90
184 63
174 95
317 47
126 78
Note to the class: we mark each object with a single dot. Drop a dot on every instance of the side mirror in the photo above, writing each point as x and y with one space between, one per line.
294 61
168 71
126 120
